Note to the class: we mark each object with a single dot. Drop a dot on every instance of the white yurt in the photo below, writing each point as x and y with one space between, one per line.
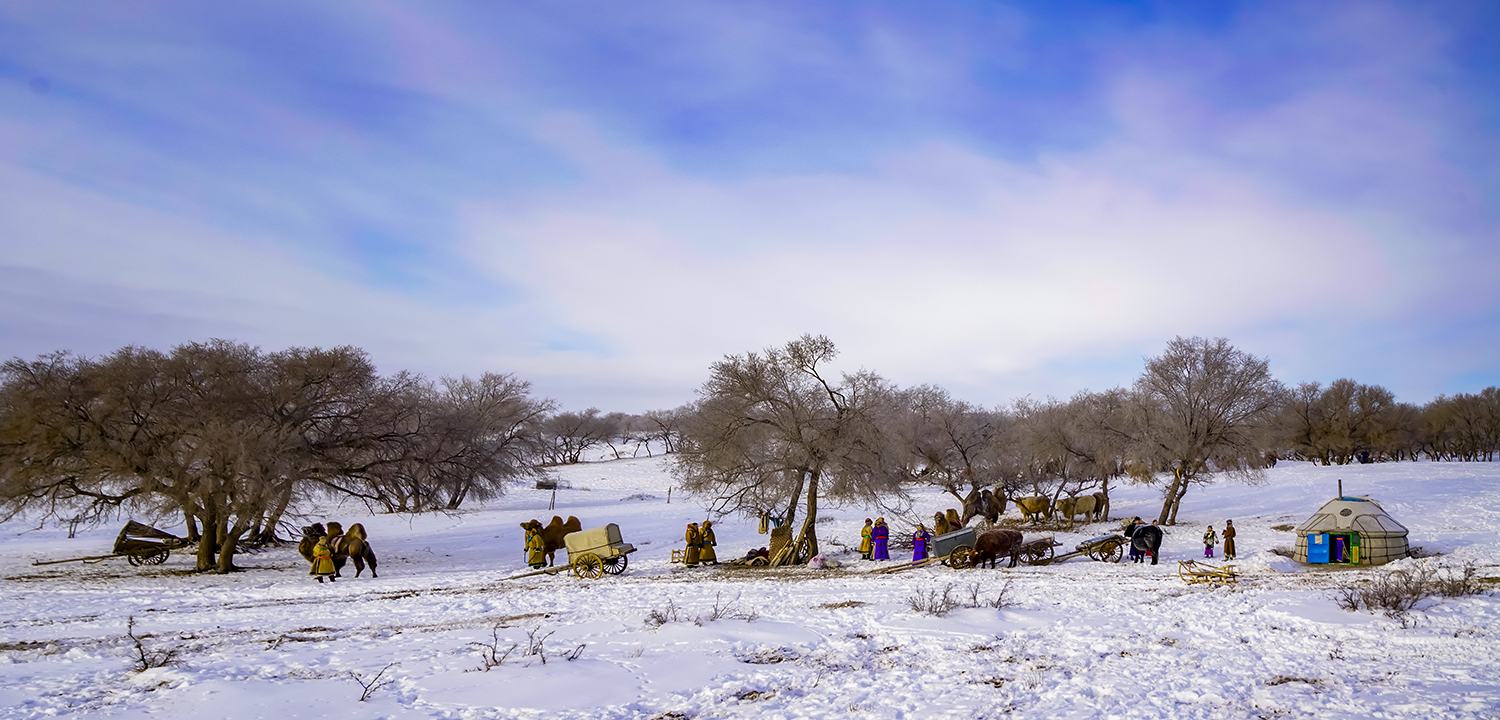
1351 530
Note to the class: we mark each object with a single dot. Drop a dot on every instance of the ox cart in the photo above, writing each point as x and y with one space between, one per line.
591 554
139 544
1193 572
954 549
1105 548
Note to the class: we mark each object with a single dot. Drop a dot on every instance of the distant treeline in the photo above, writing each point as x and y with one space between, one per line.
229 438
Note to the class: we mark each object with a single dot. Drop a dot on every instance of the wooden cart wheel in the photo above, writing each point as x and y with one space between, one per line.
1108 552
961 557
615 565
1036 554
588 565
155 557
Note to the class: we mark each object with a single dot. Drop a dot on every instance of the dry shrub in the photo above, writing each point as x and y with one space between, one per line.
934 602
1397 592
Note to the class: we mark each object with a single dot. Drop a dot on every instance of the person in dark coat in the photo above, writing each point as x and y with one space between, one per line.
879 535
1135 522
919 543
1228 539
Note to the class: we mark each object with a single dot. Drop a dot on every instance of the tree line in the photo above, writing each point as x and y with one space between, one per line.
777 432
230 438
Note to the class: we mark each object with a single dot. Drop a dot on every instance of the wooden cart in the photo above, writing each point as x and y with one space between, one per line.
1193 572
954 549
591 554
1105 548
139 544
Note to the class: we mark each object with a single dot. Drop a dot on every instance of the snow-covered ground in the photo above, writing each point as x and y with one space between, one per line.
1081 639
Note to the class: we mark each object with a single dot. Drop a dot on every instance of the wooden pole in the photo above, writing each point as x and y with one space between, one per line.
1341 488
553 502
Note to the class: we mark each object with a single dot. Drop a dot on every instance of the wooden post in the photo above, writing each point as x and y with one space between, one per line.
669 496
1341 488
553 502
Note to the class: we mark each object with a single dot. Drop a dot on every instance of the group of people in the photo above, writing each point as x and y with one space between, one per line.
873 540
1211 538
700 545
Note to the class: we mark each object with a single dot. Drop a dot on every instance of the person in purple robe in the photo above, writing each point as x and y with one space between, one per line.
879 535
919 543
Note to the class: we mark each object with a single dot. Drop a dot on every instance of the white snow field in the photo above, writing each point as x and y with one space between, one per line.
1082 639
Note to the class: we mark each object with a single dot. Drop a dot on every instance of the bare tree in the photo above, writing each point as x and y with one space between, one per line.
773 430
665 426
1202 408
570 434
230 437
945 442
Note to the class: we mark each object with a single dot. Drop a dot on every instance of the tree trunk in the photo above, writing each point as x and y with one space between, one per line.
192 523
790 516
810 529
209 542
1172 497
229 538
267 533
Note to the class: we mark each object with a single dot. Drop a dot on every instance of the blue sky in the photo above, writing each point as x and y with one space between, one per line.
1005 199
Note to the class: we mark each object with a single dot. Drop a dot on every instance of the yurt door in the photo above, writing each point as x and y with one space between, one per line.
1317 548
1345 548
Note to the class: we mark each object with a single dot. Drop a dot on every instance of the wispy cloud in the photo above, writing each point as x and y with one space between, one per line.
1004 200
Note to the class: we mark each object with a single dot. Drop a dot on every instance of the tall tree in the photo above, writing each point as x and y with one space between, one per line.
1201 409
775 430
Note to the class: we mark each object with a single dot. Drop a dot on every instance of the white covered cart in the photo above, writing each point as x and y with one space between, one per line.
591 553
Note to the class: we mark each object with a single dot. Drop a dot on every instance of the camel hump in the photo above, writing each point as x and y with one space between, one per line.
357 530
573 524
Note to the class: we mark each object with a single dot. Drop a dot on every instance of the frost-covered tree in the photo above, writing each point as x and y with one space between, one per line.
1201 409
774 431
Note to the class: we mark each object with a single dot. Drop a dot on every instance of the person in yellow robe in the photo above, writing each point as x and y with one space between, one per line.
706 553
322 562
865 545
536 550
694 546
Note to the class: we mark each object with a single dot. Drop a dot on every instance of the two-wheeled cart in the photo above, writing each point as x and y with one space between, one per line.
1105 548
139 544
591 554
954 549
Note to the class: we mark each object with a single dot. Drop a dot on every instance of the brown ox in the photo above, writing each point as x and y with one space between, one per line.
1101 507
552 533
1072 506
1035 507
994 544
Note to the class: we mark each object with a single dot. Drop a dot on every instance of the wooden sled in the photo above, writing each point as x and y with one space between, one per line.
1193 572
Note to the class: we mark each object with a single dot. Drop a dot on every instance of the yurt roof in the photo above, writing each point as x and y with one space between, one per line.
1360 514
